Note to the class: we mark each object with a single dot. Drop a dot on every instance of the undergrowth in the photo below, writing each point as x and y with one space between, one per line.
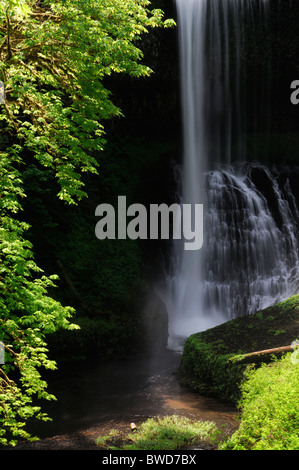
269 408
167 433
269 417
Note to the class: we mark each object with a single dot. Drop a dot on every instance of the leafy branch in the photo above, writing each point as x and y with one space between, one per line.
54 55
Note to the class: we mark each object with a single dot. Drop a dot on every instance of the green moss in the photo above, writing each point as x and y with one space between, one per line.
206 371
207 364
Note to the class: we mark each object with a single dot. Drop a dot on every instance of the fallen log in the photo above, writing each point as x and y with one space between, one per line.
261 356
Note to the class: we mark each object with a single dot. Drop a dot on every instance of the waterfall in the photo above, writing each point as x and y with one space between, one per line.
249 258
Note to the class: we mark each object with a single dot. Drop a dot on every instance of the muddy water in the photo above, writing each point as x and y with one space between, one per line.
96 394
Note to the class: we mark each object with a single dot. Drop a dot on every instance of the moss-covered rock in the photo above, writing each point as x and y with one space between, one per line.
207 364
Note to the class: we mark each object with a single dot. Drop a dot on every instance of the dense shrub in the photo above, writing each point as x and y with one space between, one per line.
269 406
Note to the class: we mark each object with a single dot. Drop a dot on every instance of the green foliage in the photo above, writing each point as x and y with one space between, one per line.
107 440
269 405
168 433
54 56
27 315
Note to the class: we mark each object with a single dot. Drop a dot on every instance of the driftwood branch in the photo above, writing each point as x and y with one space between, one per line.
262 356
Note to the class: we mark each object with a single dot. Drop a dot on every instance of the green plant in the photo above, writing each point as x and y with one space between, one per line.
54 56
270 318
27 315
278 332
103 441
167 433
269 409
53 60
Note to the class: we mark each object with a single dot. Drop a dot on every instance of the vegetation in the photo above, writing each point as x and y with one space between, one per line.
265 393
269 418
269 409
168 433
210 362
103 280
54 57
58 59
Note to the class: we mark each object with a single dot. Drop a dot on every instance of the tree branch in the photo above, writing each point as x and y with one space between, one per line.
9 52
261 356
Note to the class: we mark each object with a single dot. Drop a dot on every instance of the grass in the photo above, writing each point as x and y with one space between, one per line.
269 408
166 433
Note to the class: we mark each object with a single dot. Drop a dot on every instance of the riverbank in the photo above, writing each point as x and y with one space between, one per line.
93 399
96 398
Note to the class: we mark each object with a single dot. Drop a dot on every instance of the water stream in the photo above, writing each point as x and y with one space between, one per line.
249 258
104 395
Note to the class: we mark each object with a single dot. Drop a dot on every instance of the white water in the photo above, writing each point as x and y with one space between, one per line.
248 261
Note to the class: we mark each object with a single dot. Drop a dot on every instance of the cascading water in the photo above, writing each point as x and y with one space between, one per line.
249 258
252 253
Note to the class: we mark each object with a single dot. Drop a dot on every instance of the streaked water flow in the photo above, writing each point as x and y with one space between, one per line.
249 259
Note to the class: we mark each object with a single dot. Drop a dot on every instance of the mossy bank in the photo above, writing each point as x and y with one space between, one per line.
211 359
